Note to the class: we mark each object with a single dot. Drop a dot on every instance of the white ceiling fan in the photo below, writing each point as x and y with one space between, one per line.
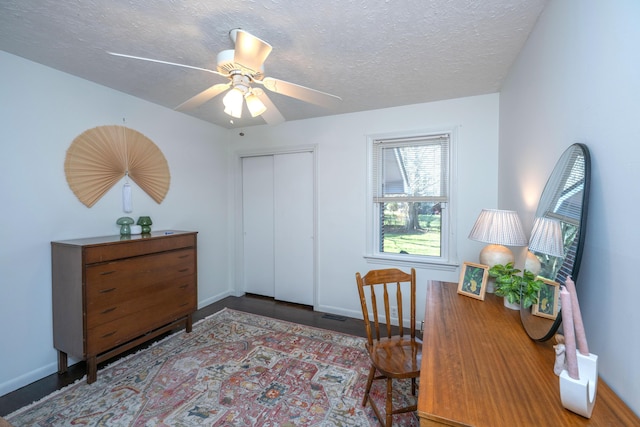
244 66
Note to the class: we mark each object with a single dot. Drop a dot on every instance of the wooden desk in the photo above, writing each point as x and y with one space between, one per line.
479 368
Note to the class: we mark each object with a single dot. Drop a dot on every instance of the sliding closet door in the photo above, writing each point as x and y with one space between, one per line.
278 221
294 246
258 213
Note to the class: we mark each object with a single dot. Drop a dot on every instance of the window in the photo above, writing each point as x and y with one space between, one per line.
410 198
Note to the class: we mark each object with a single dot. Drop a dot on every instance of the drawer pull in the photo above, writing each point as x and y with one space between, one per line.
104 273
105 291
183 270
183 304
184 256
109 334
186 285
108 310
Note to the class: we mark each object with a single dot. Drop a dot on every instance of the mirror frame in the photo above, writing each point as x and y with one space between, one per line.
525 313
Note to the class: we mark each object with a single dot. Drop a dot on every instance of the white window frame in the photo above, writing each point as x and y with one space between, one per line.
447 260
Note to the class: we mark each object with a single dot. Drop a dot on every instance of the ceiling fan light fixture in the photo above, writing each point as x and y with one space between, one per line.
243 66
255 106
233 103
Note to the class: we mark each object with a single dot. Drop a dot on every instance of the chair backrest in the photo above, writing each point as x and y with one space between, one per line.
379 282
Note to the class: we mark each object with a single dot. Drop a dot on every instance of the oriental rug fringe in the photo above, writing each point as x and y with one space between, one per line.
233 369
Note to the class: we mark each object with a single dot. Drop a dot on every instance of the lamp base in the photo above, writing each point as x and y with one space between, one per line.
532 263
492 255
496 254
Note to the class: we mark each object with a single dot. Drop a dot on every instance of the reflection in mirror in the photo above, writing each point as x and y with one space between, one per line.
564 200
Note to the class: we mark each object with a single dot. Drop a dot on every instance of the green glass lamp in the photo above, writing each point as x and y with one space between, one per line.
125 225
145 222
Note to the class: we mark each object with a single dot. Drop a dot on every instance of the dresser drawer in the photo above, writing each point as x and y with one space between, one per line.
127 249
163 296
107 335
135 278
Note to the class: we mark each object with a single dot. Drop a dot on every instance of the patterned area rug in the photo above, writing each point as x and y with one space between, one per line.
234 369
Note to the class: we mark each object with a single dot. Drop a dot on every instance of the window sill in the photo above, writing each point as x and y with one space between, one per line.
409 261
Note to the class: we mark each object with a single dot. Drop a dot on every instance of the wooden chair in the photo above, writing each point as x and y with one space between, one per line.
394 356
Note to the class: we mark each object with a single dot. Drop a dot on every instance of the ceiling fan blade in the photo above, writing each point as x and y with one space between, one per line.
250 51
271 115
167 63
203 97
300 92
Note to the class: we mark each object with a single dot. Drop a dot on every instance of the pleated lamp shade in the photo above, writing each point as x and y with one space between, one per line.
499 227
546 237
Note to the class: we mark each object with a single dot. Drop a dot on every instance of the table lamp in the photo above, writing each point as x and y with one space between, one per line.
499 228
546 237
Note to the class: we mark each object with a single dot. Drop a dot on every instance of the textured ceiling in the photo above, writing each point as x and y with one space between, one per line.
373 54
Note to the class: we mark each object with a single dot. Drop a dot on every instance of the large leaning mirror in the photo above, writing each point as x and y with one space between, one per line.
564 200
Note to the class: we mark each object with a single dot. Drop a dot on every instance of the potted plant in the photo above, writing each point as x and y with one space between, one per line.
511 285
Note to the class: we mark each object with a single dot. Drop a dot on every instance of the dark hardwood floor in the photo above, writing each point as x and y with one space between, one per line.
248 303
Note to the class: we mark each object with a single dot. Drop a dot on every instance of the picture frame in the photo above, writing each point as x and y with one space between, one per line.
548 296
473 280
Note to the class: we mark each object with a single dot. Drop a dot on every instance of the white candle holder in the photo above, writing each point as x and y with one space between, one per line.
579 395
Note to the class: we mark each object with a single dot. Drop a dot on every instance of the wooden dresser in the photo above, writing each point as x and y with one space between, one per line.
479 368
113 293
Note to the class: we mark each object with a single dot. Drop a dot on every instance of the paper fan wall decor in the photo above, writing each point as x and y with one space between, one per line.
98 158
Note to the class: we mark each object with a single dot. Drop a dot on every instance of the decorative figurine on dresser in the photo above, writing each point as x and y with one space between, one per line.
110 295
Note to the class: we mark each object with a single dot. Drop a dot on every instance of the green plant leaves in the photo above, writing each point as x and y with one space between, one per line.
510 284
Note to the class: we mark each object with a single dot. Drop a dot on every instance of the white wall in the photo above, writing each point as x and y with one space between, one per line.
577 80
342 183
41 112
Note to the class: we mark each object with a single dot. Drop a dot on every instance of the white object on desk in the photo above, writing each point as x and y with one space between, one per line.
579 395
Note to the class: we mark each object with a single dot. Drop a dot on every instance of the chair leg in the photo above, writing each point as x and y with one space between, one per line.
372 373
389 411
413 386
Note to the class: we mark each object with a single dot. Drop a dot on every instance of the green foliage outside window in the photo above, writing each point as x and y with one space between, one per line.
411 232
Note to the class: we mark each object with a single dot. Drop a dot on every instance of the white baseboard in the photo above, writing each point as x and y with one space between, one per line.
357 314
28 378
216 298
